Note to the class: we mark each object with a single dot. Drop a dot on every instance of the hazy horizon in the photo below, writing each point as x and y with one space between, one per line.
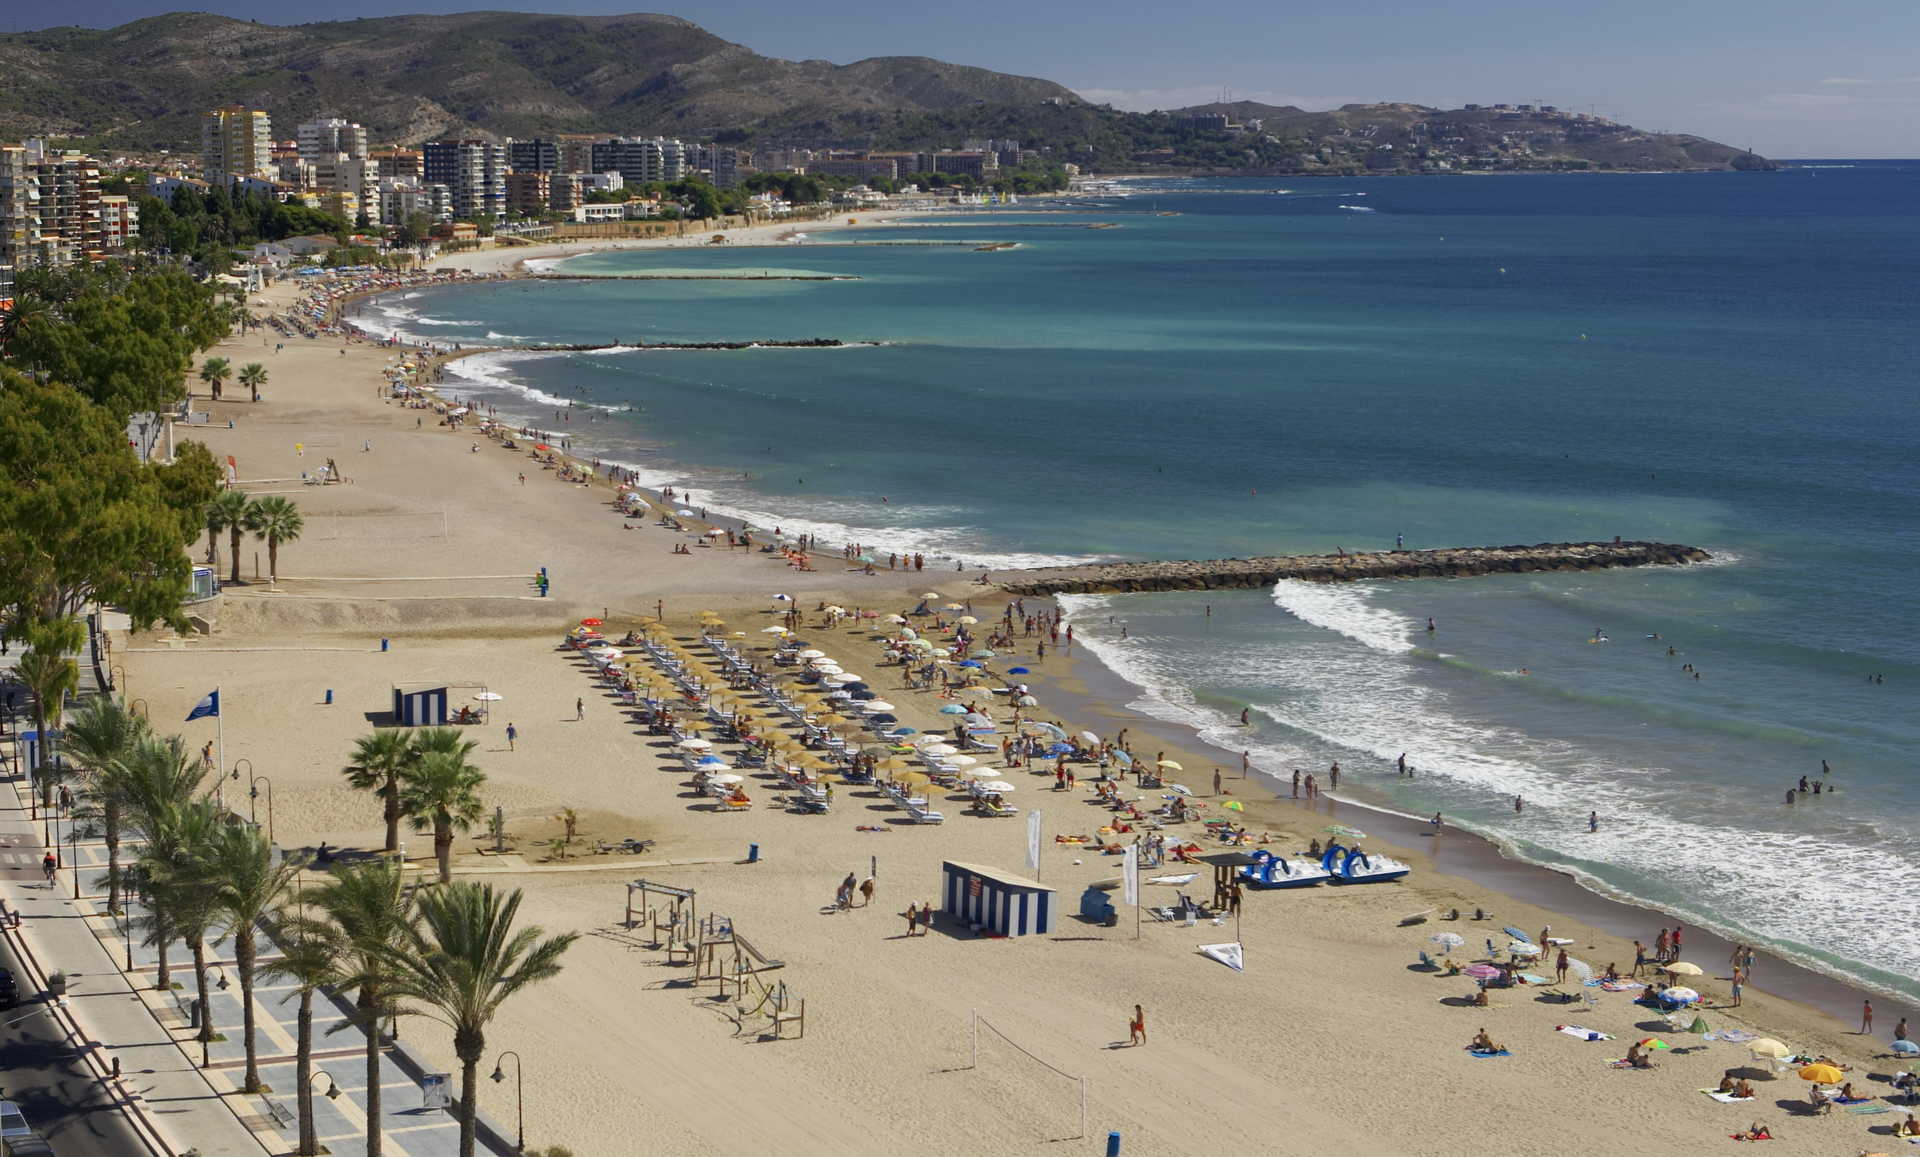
1786 80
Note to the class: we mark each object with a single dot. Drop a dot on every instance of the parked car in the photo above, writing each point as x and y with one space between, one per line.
13 1123
31 1145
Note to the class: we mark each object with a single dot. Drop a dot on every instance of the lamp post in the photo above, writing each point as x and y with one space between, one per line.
73 853
254 794
519 1097
220 790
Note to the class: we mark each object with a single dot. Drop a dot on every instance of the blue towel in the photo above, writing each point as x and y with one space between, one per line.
1480 1056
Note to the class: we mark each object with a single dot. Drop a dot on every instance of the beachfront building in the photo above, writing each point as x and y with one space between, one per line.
641 160
474 172
399 164
401 199
119 222
338 176
723 166
325 139
529 192
19 214
566 190
978 163
576 151
533 155
235 141
69 204
860 165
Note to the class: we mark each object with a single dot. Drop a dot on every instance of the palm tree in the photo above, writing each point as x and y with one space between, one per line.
440 791
378 760
237 866
50 673
21 315
159 782
215 372
229 511
462 960
277 520
181 902
313 954
253 375
100 738
371 906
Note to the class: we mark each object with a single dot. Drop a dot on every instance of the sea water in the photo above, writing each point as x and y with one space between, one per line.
1238 368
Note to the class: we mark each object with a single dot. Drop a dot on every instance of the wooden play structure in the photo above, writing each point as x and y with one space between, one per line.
717 952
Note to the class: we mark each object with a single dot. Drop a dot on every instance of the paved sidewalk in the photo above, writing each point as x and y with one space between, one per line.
160 1081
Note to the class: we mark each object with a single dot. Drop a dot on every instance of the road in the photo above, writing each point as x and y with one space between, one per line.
41 1072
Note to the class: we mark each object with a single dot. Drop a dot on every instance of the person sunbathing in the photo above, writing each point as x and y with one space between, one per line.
1755 1132
1728 1082
1847 1094
1743 1088
1480 999
1482 1043
1907 1128
1638 1058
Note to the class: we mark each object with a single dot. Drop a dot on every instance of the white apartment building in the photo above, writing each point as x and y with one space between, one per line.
323 139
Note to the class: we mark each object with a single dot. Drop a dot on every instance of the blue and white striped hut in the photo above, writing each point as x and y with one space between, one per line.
997 903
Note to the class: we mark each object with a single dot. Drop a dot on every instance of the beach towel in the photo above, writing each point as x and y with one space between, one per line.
1477 1054
1725 1098
1850 1100
1621 985
1575 1030
1559 941
1530 978
1869 1110
1732 1035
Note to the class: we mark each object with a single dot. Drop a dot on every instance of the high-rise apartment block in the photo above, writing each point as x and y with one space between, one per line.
19 214
640 160
474 172
529 192
52 210
324 139
235 141
533 156
70 227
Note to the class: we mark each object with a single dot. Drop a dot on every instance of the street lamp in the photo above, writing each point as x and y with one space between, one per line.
333 1087
519 1096
254 794
73 853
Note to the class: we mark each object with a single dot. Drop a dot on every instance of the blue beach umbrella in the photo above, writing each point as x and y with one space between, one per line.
899 732
1018 671
1906 1048
971 663
1060 749
883 717
953 709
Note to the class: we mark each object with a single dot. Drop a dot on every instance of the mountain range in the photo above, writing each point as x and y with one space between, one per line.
144 86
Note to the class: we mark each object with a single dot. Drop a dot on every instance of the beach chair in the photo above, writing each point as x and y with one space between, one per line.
923 815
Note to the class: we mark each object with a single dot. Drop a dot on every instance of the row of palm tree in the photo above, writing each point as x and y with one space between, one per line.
215 372
273 518
424 778
450 953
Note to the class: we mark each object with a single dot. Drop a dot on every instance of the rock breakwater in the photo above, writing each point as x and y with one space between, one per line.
1236 573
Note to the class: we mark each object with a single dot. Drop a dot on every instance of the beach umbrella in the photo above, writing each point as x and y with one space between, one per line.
488 696
1654 1042
953 709
1170 765
1018 671
967 620
901 732
1682 968
1822 1074
692 724
696 744
976 719
896 619
956 606
1680 995
711 761
986 653
1448 941
1906 1048
929 594
1026 701
726 780
1768 1047
962 761
894 763
812 654
1089 738
1580 969
1699 1025
684 513
938 749
876 704
1234 805
1000 786
1059 749
591 622
971 663
781 598
1481 971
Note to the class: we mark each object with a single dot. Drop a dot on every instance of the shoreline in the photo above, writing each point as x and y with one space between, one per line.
1534 883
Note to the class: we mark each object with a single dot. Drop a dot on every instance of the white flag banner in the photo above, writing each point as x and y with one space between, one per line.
1033 840
1130 876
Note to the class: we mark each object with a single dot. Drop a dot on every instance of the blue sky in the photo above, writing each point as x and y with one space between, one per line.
1788 79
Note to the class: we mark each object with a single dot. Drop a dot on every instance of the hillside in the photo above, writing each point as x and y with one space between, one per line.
1401 137
144 84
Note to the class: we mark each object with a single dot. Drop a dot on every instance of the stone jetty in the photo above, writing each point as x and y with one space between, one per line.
1454 562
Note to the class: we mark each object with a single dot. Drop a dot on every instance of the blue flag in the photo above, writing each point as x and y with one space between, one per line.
207 706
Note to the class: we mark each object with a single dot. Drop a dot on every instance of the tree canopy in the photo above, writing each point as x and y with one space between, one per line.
122 336
82 519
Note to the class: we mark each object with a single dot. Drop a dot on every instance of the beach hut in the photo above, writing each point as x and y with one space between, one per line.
420 704
997 903
1226 865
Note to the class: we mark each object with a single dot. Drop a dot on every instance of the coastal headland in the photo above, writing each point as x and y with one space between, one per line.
1449 562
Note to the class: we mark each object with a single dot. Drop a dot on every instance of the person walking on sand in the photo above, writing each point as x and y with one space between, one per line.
1296 783
866 891
1866 1006
843 897
1900 1030
1216 781
1639 957
579 710
513 734
1137 1028
1560 967
913 918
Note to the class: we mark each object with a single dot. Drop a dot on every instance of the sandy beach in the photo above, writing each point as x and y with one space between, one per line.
419 567
513 258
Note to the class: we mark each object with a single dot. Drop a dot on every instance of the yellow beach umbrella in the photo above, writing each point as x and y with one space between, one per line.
1682 968
1768 1047
693 725
1170 765
1822 1074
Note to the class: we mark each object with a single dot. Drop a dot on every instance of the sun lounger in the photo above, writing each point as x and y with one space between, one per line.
987 809
922 815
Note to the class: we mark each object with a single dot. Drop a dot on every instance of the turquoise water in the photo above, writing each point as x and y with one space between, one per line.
1722 360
